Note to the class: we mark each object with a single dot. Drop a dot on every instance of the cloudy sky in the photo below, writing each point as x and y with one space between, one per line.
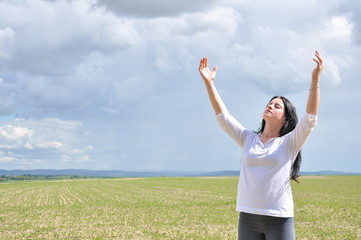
114 84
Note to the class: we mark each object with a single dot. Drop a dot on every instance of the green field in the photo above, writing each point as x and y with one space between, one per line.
166 208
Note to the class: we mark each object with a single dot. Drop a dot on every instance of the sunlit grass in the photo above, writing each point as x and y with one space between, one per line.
328 207
165 208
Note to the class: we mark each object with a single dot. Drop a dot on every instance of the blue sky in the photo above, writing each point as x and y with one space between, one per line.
114 84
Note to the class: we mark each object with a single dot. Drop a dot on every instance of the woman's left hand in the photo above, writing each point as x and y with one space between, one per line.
317 71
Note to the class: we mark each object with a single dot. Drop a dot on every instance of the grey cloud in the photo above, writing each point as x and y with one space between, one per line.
156 8
66 36
88 53
6 42
50 53
353 10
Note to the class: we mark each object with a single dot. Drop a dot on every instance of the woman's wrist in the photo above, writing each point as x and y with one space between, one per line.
314 87
314 84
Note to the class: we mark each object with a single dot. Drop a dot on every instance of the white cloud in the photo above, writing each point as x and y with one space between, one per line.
12 133
43 140
6 159
339 29
85 158
82 151
49 145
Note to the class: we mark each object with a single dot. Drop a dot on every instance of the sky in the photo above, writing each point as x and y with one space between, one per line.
114 84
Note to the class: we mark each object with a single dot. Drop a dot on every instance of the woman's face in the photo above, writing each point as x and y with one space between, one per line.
275 110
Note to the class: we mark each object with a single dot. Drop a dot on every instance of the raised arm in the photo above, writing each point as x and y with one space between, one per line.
313 101
208 78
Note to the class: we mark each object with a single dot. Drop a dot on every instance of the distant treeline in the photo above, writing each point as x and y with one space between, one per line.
28 177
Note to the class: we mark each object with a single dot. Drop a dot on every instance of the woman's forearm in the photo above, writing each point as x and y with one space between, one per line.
215 98
208 78
313 101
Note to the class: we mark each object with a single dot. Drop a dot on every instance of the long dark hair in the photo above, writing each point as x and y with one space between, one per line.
290 124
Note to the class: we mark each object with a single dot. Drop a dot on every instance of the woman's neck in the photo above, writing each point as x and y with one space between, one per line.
271 131
268 134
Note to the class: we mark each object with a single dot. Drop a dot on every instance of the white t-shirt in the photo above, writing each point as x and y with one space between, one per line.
264 184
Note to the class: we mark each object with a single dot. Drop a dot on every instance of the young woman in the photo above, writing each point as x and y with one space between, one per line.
271 157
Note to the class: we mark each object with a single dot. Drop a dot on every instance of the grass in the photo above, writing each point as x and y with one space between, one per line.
328 208
166 208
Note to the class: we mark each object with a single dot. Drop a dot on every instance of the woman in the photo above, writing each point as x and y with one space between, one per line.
271 157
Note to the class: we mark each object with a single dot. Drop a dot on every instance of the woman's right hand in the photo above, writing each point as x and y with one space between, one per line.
207 75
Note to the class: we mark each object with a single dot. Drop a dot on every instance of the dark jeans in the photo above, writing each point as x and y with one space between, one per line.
260 227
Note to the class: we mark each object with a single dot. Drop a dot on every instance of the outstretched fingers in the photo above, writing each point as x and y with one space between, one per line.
318 59
204 70
202 64
318 69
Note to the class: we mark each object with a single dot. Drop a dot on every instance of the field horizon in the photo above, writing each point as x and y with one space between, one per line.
147 173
